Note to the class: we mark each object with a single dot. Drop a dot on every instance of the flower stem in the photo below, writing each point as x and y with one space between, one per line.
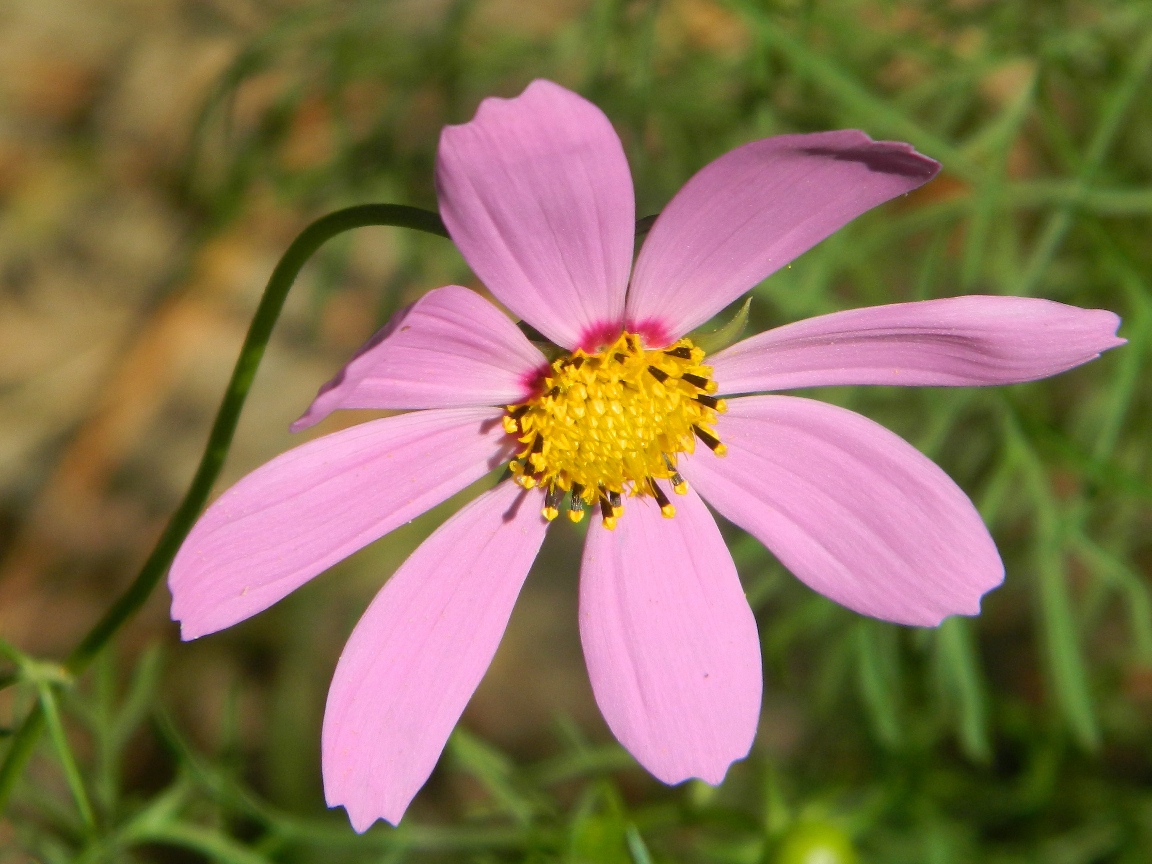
219 442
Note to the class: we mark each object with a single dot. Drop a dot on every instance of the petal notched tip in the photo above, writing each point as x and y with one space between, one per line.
855 512
362 815
712 773
967 341
494 109
969 607
537 195
1103 325
190 631
418 653
670 642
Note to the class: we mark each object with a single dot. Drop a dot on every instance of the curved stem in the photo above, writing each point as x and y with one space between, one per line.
219 441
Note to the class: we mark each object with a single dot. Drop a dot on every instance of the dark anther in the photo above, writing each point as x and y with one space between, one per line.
683 352
659 374
552 497
661 498
517 413
555 391
618 357
577 362
538 443
614 499
710 440
577 491
606 509
695 381
707 401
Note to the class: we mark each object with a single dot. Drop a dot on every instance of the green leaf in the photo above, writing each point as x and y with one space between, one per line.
1058 624
636 846
959 669
599 831
64 752
726 334
878 673
212 844
494 770
1129 584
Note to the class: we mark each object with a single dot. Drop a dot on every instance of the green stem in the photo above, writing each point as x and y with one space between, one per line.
219 441
20 751
60 740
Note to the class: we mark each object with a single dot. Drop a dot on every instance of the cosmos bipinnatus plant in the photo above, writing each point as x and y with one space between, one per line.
625 422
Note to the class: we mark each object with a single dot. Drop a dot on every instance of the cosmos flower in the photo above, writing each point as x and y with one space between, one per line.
629 426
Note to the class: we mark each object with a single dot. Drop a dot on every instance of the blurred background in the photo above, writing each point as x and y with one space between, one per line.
156 158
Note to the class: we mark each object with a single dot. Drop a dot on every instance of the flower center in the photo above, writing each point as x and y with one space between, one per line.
611 424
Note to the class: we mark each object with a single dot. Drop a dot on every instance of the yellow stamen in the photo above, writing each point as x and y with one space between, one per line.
610 424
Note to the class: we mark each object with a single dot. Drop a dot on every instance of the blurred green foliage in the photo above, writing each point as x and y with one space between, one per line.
1024 735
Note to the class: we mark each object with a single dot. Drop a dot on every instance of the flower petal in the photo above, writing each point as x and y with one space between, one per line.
959 341
449 349
318 503
669 640
853 510
420 650
753 210
537 194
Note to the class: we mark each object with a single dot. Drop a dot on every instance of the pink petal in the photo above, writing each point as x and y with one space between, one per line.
537 194
670 642
854 511
961 341
449 349
753 210
420 650
318 503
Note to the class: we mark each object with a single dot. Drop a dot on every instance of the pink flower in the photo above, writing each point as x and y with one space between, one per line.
537 194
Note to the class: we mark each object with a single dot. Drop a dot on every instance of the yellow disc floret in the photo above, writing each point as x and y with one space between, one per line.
611 424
